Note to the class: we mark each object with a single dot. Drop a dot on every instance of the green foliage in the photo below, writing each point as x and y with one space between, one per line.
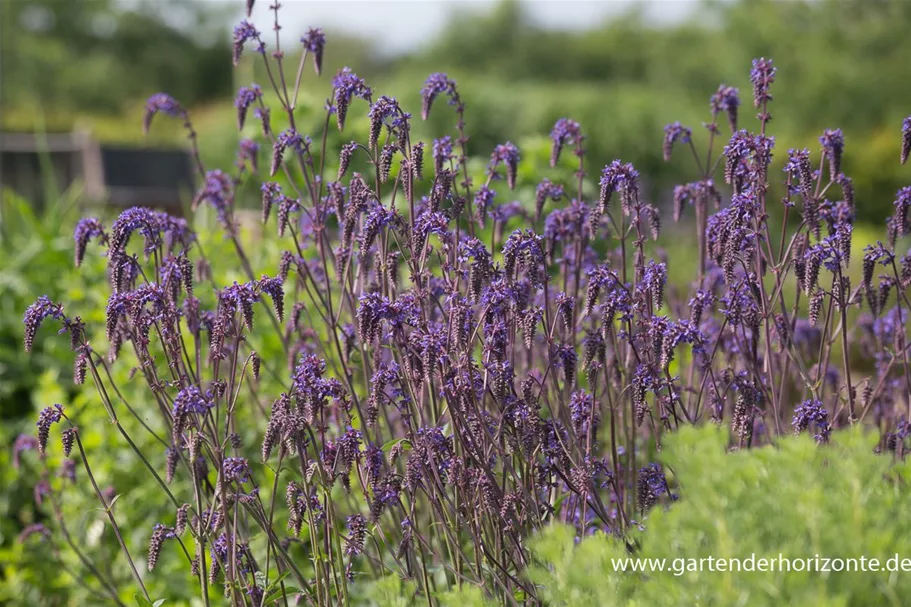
123 50
36 257
392 591
797 499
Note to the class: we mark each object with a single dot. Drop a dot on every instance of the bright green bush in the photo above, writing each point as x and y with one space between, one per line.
797 499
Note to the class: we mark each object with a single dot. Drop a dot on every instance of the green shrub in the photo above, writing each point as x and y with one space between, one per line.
797 499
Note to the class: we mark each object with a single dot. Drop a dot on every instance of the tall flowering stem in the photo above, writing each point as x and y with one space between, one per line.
462 363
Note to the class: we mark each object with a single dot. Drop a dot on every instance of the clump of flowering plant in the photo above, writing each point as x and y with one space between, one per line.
454 385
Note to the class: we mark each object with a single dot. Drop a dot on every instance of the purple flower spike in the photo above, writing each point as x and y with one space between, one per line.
565 132
672 133
315 41
726 99
161 103
833 145
35 315
622 178
87 229
273 288
47 418
346 85
236 469
506 154
906 139
442 152
243 33
437 84
812 412
762 76
244 99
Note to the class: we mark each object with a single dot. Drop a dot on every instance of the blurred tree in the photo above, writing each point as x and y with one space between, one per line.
92 55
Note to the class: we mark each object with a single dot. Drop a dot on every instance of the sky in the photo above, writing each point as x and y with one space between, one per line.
401 25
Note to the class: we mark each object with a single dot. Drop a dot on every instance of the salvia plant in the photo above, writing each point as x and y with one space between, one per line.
462 372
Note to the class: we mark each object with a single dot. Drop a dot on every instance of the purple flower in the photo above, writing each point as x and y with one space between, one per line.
567 224
347 85
246 96
152 226
160 533
357 531
654 279
161 103
524 249
622 178
799 171
35 315
41 490
726 99
236 469
247 151
273 288
546 189
386 111
899 224
762 75
48 417
565 132
272 195
315 41
672 133
310 387
583 413
833 145
505 212
87 229
243 33
506 154
431 223
437 84
442 152
289 138
747 159
651 484
483 198
812 412
190 400
218 192
377 218
24 442
906 139
567 357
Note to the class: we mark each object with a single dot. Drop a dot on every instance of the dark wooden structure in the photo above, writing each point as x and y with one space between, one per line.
114 175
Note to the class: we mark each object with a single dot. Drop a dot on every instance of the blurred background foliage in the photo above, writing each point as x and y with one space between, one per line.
842 63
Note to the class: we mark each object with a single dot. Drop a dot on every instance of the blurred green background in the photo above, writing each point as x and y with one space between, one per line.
842 63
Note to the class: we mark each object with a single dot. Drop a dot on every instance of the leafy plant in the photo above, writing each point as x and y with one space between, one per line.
792 500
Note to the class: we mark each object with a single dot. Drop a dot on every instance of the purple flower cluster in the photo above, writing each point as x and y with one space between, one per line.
346 85
436 85
245 32
506 154
455 371
246 97
314 41
566 132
